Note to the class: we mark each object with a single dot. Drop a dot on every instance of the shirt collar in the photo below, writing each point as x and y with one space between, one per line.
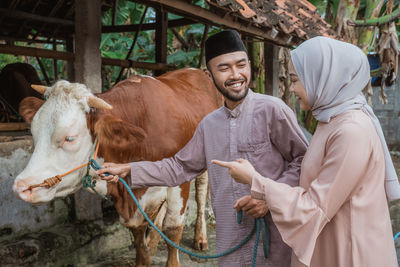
234 113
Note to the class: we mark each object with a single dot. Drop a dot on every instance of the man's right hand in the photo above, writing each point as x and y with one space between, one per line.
115 171
254 207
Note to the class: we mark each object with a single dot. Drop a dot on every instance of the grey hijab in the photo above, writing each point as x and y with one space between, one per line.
334 74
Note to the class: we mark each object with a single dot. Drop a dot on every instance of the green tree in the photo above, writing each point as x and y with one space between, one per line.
369 24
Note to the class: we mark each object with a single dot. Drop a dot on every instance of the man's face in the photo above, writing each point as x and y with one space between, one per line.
231 74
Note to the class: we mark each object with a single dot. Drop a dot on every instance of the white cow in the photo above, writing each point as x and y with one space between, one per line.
138 127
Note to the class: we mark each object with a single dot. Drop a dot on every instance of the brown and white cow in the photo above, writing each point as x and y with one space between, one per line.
15 85
150 119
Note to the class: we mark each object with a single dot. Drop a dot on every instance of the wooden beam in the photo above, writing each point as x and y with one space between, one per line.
35 52
135 64
146 26
27 40
69 56
28 16
134 27
13 126
50 15
205 16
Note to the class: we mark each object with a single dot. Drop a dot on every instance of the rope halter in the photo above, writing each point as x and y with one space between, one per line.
52 181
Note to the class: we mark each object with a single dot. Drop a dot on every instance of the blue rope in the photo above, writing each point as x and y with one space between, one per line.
396 236
260 225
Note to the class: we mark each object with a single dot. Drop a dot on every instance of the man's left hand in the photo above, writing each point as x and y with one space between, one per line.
253 207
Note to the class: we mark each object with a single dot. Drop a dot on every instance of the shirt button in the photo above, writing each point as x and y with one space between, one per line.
233 123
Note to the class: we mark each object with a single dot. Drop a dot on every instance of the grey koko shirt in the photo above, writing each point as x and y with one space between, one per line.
263 130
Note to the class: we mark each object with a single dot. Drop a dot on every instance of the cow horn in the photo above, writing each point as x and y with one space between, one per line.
40 88
95 102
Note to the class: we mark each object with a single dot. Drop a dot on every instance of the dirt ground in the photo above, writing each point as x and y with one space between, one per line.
160 257
128 259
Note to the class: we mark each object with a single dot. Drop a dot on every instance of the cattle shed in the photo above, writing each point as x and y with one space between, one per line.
77 27
83 227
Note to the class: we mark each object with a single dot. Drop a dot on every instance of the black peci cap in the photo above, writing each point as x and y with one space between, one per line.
224 42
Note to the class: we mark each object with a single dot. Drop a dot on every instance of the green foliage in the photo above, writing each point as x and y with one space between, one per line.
48 64
184 59
117 45
8 59
320 5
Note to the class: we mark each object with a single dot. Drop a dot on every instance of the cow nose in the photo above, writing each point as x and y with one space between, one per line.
21 191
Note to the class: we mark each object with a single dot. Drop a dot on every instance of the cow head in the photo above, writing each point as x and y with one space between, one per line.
61 137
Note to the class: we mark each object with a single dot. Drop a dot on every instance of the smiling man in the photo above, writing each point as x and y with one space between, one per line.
259 128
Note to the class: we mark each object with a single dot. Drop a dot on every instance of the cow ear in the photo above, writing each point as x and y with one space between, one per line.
118 134
28 107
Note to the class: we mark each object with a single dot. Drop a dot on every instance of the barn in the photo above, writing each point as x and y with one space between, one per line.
83 229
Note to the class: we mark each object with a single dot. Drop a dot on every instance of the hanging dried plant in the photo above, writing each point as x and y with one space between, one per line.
388 51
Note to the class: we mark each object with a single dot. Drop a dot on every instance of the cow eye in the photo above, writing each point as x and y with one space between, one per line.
70 138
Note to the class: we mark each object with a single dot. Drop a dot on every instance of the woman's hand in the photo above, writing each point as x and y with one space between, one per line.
115 170
241 170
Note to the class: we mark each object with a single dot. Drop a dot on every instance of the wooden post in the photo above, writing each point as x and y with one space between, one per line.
250 53
271 62
202 59
87 65
259 69
161 38
70 65
87 43
114 12
55 69
46 77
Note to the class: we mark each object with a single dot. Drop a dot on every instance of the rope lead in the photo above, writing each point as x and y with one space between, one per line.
260 225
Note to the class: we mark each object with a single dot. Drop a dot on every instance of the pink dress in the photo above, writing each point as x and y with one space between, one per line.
339 216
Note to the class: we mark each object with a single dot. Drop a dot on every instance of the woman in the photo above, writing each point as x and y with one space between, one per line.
338 216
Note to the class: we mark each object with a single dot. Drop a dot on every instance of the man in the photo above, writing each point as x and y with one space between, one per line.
259 128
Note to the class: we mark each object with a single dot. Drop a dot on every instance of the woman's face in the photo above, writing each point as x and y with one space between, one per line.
297 88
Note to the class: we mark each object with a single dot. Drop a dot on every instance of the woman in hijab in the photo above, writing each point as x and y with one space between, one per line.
339 215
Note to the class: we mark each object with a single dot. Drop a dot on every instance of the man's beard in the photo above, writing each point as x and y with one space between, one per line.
232 97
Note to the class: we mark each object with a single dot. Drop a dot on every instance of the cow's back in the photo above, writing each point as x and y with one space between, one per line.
168 109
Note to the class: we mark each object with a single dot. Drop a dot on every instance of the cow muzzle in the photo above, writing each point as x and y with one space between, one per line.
39 195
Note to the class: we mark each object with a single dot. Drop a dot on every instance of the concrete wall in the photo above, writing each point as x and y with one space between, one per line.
37 235
57 234
389 114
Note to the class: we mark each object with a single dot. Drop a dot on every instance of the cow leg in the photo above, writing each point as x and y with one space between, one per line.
143 257
153 237
200 232
174 220
146 239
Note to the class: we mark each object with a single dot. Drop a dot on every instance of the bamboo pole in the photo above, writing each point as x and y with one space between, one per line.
377 21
